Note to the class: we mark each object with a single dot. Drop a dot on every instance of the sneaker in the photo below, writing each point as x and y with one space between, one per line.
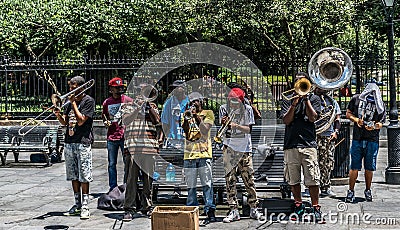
368 195
299 210
318 214
74 211
130 215
232 216
85 214
327 193
255 214
350 196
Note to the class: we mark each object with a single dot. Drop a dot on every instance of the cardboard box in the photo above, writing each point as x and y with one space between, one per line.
175 217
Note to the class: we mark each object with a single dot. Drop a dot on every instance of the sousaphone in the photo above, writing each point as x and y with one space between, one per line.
329 69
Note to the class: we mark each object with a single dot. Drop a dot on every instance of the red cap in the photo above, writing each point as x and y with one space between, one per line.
236 93
116 81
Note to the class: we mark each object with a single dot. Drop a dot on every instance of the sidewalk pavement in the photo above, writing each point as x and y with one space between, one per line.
36 197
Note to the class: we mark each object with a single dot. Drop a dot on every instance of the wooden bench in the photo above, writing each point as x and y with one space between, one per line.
43 139
267 162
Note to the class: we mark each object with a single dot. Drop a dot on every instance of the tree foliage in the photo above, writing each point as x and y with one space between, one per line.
261 29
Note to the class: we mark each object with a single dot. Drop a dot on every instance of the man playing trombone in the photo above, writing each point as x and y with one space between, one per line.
300 146
78 117
326 139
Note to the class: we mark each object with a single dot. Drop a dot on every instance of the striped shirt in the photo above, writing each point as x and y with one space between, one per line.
141 135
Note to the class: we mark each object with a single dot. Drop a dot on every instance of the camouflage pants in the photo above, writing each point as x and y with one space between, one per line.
326 160
236 163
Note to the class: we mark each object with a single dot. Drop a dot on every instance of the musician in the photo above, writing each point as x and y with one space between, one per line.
78 117
237 152
300 147
111 115
367 111
197 123
326 140
140 149
171 115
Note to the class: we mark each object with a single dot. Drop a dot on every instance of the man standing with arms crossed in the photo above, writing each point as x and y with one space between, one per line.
78 116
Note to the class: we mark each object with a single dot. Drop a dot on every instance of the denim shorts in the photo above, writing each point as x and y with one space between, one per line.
366 150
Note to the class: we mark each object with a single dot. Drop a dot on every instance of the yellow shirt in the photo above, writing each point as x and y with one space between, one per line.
201 148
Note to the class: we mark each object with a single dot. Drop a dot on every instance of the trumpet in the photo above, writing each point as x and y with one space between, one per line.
188 114
301 87
59 102
224 127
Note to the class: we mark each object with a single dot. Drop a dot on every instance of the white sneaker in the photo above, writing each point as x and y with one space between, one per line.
255 214
232 216
85 214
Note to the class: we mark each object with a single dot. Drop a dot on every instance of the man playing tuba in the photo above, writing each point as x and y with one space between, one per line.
326 139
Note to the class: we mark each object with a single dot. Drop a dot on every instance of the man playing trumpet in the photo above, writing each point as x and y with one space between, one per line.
198 154
300 147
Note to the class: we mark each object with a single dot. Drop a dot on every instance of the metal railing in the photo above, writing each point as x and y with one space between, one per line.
25 90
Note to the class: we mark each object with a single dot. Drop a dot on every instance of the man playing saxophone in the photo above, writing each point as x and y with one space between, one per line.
237 152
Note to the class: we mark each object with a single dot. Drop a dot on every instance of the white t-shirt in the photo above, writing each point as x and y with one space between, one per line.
237 140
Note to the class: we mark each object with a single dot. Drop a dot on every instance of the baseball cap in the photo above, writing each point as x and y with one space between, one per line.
236 93
195 96
116 81
179 83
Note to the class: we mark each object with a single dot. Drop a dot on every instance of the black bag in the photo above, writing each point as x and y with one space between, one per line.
113 200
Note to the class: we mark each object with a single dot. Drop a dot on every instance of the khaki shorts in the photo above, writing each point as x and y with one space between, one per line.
295 159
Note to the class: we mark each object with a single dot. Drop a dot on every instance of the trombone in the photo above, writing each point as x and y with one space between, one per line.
224 127
56 100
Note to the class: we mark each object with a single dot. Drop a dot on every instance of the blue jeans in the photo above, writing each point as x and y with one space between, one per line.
203 168
366 150
112 148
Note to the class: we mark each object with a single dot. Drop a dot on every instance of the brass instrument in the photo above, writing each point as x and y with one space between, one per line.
327 116
329 69
148 93
188 114
193 131
223 128
58 102
301 87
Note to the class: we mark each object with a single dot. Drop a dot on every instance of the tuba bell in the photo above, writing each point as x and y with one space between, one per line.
329 69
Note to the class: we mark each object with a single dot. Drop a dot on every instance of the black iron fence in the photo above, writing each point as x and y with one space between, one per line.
26 85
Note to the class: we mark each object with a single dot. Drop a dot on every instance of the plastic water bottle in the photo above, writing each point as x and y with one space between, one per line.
156 176
170 173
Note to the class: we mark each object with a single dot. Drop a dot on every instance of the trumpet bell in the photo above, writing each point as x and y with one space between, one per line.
302 86
330 68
